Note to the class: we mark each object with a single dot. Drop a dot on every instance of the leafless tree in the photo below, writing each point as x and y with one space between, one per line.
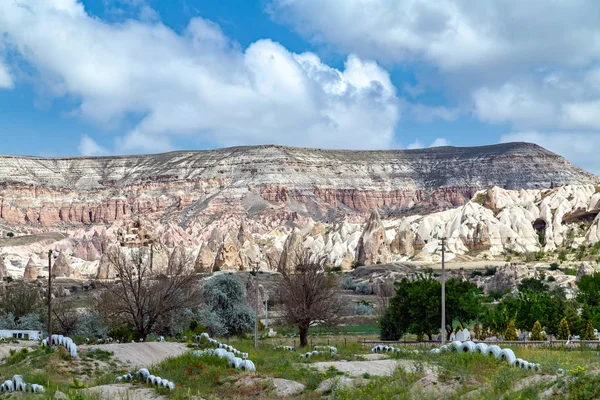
385 291
66 316
309 296
141 298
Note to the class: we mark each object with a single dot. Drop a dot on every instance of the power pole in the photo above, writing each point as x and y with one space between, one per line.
49 297
443 332
255 269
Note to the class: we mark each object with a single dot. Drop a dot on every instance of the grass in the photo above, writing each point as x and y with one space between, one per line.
344 330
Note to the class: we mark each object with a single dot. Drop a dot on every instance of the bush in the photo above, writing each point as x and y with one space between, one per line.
348 283
356 264
91 325
551 278
226 306
363 309
508 259
562 256
473 274
30 322
10 234
490 271
536 332
122 333
554 267
364 288
511 332
336 269
563 330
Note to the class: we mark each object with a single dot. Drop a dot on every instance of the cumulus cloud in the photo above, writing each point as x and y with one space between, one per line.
452 34
89 147
580 148
199 83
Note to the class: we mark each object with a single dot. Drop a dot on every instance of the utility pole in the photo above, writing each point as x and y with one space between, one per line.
255 269
443 291
49 297
266 310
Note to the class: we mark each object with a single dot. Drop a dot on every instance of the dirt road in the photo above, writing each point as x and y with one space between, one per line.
143 355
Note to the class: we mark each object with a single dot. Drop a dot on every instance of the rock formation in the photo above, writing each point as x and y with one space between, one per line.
178 260
509 276
373 246
205 260
31 270
3 270
584 269
62 266
228 256
269 205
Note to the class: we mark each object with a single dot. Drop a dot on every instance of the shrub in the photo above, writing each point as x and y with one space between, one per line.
477 331
563 330
508 259
91 325
356 264
551 278
473 274
30 322
363 309
336 269
554 267
589 332
536 332
495 294
10 234
458 328
226 306
562 256
348 283
364 288
511 332
490 271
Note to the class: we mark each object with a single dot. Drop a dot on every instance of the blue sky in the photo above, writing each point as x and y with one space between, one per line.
97 77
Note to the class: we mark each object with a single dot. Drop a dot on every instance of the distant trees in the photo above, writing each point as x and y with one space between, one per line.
309 295
140 298
416 307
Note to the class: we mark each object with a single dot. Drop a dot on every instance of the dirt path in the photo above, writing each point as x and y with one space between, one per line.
123 392
374 367
139 355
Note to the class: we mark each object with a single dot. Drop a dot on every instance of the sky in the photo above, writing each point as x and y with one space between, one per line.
109 77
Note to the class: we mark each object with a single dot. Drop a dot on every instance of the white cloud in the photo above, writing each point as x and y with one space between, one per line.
415 145
580 148
440 142
452 34
424 113
88 147
199 83
511 103
6 81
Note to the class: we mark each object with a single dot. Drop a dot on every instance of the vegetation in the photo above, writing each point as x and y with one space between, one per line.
226 311
511 332
589 332
564 332
415 307
536 332
140 299
309 296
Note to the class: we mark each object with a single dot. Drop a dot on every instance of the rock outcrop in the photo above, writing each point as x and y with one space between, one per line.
62 266
205 260
373 247
3 270
31 270
584 269
509 276
228 256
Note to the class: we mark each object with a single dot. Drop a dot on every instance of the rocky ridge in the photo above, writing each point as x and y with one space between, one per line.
241 207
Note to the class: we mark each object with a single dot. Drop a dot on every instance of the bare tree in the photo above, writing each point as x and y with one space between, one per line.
141 298
309 296
66 315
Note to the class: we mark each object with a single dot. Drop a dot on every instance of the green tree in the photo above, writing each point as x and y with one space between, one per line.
536 332
563 330
532 284
589 332
396 319
463 302
589 290
477 331
511 332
